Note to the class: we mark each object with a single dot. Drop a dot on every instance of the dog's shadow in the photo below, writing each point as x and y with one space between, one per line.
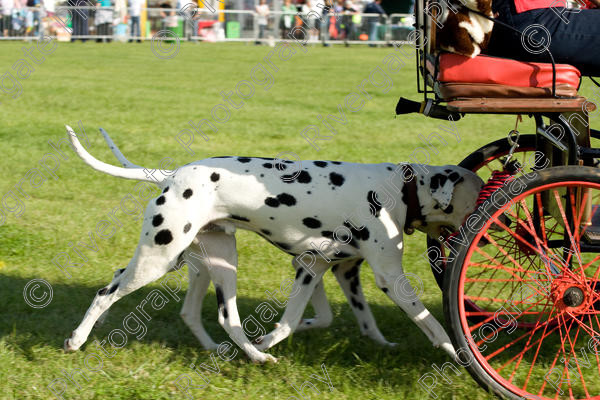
25 327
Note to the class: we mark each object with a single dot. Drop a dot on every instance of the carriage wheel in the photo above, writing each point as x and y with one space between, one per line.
540 338
482 161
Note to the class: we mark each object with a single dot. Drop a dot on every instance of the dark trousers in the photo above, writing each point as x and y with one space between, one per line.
135 27
80 23
576 42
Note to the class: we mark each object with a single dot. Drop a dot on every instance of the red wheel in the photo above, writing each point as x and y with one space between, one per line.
530 264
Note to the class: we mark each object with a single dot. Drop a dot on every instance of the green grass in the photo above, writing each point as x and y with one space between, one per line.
143 102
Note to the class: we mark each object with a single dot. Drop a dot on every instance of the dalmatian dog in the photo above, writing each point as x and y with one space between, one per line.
346 272
309 214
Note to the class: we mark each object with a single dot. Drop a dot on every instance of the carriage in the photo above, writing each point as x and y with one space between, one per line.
521 278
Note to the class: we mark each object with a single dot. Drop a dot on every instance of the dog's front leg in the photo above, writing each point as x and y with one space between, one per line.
390 278
302 290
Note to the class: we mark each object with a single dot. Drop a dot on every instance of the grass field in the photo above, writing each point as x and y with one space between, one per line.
143 102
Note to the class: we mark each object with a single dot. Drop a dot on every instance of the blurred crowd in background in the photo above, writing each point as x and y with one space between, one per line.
261 21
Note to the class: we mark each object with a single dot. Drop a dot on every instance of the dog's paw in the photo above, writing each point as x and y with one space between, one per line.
68 346
262 358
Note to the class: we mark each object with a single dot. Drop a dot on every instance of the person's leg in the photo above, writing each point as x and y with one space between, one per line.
573 36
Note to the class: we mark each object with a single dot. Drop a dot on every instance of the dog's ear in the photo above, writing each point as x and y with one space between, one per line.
441 187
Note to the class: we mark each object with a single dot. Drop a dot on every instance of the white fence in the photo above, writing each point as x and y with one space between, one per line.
109 23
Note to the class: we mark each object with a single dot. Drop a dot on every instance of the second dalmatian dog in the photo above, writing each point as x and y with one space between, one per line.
311 213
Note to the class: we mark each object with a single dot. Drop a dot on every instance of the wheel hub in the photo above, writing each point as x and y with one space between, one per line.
573 297
570 295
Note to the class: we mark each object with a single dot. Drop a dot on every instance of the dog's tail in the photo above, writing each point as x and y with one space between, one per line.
117 152
131 172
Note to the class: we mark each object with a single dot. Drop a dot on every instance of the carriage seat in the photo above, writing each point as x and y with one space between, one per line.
493 77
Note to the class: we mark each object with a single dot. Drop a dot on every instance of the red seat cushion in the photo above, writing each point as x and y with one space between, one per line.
504 71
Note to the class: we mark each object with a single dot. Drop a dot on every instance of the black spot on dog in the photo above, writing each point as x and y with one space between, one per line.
362 234
421 182
280 166
351 273
272 202
187 227
266 232
389 168
385 290
214 177
312 223
121 270
237 217
414 304
284 246
163 237
147 233
157 220
221 301
160 201
268 165
354 285
262 175
336 162
356 304
335 267
299 272
327 234
166 190
307 279
223 157
271 218
454 176
366 326
302 177
246 170
106 290
308 192
449 209
447 171
265 158
187 193
321 164
336 179
437 181
286 199
244 159
375 206
341 254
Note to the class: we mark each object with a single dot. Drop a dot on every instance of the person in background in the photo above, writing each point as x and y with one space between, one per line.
135 10
104 19
263 14
350 11
373 22
33 18
574 34
287 18
79 19
7 8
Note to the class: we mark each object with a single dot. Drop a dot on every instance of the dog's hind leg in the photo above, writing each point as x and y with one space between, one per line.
102 317
191 312
222 253
347 274
302 289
